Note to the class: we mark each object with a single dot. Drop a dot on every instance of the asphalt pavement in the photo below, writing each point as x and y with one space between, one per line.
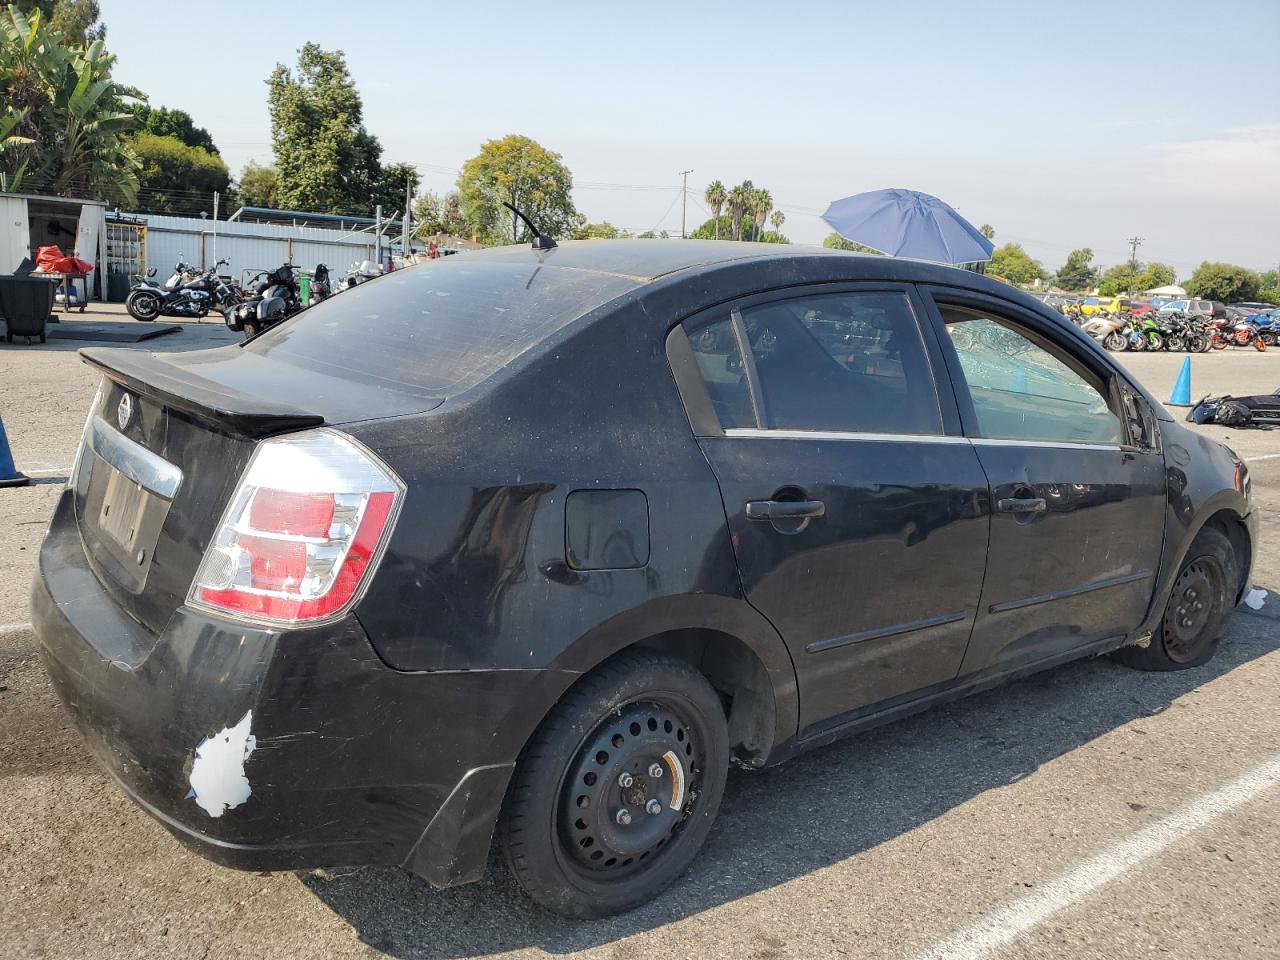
1089 812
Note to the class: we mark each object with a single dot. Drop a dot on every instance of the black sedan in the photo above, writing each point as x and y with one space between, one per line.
532 544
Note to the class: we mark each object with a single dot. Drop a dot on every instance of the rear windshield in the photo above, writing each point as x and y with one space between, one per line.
440 327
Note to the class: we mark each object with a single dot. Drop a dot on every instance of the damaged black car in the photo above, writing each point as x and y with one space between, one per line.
528 546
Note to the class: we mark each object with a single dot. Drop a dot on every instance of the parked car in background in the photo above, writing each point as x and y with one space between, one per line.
1139 309
1252 307
384 583
1094 305
1192 308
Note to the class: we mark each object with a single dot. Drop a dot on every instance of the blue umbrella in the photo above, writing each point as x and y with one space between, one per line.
907 223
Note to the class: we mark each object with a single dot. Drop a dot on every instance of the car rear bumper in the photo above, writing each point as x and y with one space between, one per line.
266 750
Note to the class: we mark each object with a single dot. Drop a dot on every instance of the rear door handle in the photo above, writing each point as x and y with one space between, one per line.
785 509
1021 505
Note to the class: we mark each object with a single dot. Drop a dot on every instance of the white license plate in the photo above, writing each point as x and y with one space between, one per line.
122 506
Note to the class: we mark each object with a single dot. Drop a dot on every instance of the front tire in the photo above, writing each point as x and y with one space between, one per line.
618 788
1198 608
1115 341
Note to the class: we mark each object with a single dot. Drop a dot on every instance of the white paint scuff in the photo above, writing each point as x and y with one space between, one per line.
1255 598
218 781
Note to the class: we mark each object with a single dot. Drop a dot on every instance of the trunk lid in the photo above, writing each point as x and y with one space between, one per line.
166 443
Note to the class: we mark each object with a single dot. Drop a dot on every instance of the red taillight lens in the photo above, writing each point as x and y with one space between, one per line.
302 533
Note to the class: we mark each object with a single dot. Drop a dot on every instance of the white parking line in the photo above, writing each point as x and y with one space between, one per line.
30 473
1265 456
1001 927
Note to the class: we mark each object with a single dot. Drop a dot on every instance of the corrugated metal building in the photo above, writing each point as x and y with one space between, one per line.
251 246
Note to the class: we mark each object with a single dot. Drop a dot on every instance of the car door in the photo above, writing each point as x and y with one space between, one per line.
858 513
1077 482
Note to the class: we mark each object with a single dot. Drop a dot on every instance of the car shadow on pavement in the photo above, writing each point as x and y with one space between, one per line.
824 807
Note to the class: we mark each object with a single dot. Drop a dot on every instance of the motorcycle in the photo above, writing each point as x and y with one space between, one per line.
187 293
1242 333
1108 331
321 288
359 273
273 297
1268 325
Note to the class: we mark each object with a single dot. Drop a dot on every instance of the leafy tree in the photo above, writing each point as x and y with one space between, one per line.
437 215
172 171
1125 277
525 174
714 229
259 186
834 241
647 235
389 189
772 236
739 203
777 218
1014 265
1078 273
715 197
76 21
164 122
1269 287
761 204
65 117
1224 281
988 231
327 160
600 231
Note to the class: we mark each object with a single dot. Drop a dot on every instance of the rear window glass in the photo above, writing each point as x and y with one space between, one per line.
438 328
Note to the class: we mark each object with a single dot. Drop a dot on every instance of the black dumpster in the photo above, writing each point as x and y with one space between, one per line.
25 305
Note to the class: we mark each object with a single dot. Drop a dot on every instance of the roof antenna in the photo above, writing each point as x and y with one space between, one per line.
540 240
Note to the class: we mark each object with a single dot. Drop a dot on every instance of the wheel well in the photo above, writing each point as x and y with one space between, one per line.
1228 523
738 676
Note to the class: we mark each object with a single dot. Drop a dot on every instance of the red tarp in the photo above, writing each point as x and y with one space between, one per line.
53 260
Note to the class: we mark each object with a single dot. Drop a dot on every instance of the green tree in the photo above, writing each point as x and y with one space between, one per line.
722 226
522 172
988 231
1014 265
834 241
327 160
739 203
259 186
1078 273
389 189
715 197
437 215
761 204
164 122
76 21
777 218
172 172
1269 287
597 231
1134 277
66 118
1224 281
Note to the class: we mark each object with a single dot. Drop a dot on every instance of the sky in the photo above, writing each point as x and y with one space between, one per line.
1062 124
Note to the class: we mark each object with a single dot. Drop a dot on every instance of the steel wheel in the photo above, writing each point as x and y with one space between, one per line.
1194 602
631 788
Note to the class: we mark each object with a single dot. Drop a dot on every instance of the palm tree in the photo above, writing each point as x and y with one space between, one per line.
715 197
988 231
777 218
761 204
739 202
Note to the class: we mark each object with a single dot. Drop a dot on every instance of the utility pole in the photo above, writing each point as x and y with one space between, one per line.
1134 244
684 201
404 228
377 234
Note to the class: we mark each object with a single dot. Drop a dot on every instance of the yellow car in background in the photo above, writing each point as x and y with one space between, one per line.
1091 306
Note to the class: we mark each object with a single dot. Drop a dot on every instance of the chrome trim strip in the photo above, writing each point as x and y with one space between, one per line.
754 433
880 632
135 461
1069 592
1052 444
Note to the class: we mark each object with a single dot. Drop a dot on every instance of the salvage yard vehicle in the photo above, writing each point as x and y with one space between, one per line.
532 544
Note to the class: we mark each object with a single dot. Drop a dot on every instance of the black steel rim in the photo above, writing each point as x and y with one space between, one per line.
629 790
1193 603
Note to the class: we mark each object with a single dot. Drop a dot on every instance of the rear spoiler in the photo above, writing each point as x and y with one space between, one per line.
149 376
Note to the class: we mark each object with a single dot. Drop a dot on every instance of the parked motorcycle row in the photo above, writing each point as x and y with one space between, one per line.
263 300
1179 332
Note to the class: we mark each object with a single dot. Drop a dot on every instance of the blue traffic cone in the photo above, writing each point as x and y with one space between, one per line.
1181 396
9 475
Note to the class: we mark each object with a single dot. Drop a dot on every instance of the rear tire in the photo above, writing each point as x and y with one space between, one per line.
1199 605
143 306
580 829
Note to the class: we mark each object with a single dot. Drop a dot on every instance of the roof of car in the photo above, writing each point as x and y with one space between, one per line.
643 260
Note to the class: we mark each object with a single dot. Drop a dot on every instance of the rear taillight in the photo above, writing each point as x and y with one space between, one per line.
303 533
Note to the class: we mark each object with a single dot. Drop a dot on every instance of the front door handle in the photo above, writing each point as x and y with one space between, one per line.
785 509
1021 505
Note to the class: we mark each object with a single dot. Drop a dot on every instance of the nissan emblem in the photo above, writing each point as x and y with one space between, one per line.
124 412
